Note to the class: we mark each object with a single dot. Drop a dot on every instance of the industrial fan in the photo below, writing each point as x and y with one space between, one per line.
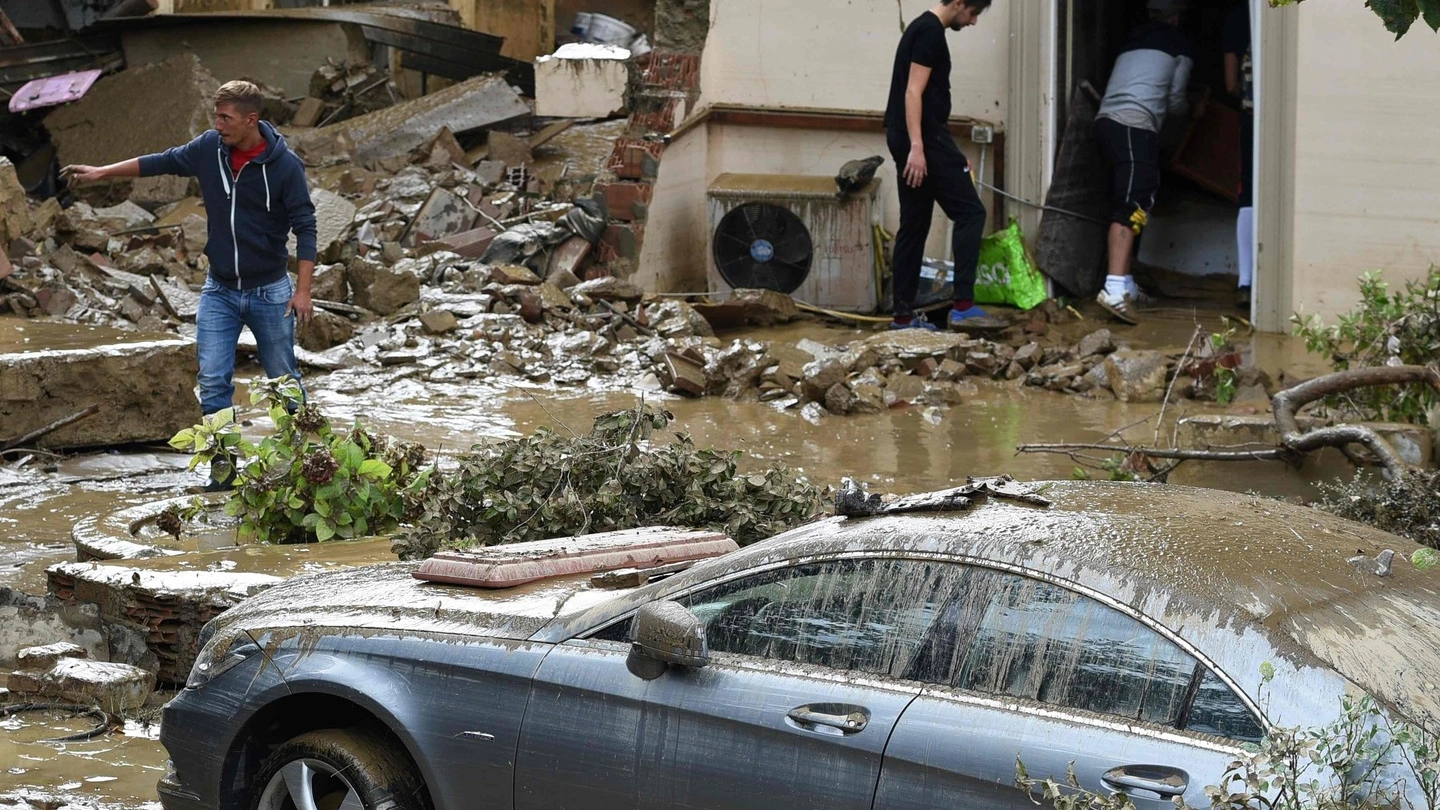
765 246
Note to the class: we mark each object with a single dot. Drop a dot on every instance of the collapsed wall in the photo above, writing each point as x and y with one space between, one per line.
138 111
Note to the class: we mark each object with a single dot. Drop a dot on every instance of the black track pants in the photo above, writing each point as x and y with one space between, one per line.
947 183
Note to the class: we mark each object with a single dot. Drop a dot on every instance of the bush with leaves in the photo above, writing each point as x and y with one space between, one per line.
1408 506
1363 760
1386 328
547 485
307 481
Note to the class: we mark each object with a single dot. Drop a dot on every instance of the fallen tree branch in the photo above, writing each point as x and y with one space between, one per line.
1268 454
1288 403
6 447
1294 442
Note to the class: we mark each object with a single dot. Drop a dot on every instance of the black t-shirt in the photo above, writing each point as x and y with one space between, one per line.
923 43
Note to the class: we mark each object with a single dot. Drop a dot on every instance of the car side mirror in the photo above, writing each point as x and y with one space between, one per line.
668 633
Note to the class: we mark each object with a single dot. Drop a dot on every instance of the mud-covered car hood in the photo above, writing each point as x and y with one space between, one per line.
388 597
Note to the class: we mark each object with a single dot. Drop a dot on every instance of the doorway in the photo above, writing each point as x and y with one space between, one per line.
1189 254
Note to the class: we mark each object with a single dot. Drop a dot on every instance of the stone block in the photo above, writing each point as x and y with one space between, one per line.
439 321
1137 376
115 688
15 220
144 390
380 289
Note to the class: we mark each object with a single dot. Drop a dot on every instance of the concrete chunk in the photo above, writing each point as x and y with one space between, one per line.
144 389
138 111
115 688
396 131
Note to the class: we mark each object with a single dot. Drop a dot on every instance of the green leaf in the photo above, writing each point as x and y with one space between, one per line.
1398 15
324 530
183 440
375 468
1430 9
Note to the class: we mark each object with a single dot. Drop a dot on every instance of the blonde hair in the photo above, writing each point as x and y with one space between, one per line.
242 95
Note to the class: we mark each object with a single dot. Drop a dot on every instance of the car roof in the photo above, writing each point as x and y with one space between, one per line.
1190 558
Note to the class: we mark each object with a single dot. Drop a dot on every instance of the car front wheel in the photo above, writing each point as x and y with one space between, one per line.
338 769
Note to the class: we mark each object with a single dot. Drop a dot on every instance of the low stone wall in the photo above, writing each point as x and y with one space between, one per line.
169 607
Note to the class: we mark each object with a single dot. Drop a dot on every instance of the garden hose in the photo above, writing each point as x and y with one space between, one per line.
84 711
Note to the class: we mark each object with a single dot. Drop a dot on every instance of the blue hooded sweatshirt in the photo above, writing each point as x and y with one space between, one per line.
251 214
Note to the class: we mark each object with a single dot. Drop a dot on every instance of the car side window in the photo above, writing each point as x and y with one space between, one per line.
866 615
1216 710
1010 635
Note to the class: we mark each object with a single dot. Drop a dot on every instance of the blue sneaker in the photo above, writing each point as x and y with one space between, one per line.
917 322
975 319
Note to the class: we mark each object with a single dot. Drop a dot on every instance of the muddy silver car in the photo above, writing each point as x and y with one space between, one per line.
901 661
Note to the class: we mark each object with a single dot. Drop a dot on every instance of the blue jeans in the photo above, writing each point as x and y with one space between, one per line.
222 313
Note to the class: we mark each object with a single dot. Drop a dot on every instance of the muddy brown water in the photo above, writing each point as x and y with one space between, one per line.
903 450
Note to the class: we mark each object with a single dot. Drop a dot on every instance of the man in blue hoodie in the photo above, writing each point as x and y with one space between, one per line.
255 194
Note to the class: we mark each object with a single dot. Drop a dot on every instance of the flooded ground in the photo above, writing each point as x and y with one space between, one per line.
903 450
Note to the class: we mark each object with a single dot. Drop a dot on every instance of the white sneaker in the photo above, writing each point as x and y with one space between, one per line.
1138 297
1118 305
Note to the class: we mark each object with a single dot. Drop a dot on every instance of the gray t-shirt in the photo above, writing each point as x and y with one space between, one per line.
1150 78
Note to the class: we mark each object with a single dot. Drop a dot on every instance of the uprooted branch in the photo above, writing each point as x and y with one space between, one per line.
1294 441
1288 403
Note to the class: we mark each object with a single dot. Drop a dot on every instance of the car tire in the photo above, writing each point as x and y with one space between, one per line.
335 768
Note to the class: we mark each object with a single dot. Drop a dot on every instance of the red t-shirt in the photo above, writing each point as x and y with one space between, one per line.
239 158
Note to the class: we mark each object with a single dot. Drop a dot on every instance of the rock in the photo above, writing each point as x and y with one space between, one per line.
553 299
942 394
334 215
56 301
324 331
1028 355
46 657
513 274
439 321
812 412
981 363
470 244
380 289
1137 376
582 344
675 318
869 399
1014 371
905 387
443 214
562 278
609 288
1098 342
125 216
115 688
839 399
1098 379
142 262
821 375
568 256
328 283
949 370
15 219
532 306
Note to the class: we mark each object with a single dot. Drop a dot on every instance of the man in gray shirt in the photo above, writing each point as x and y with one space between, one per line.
1149 81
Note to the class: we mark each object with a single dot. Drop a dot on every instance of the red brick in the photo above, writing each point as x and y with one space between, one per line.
672 71
470 244
635 158
627 201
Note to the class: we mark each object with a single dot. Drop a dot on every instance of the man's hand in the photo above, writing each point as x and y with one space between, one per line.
80 173
916 167
302 307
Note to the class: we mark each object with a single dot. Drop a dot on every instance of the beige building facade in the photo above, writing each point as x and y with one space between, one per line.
1348 167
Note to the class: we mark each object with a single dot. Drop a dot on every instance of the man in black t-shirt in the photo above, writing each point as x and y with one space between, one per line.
931 167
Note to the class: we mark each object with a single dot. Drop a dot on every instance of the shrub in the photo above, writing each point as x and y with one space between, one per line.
1386 328
306 481
547 485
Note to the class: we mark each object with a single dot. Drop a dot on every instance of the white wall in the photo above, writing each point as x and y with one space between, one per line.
1367 154
838 54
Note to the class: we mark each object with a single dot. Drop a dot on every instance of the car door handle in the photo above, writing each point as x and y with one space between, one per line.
845 719
1166 781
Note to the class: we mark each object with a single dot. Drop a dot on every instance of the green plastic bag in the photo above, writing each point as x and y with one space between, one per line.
1006 274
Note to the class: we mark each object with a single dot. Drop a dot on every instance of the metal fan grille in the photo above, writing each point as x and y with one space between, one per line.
764 246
